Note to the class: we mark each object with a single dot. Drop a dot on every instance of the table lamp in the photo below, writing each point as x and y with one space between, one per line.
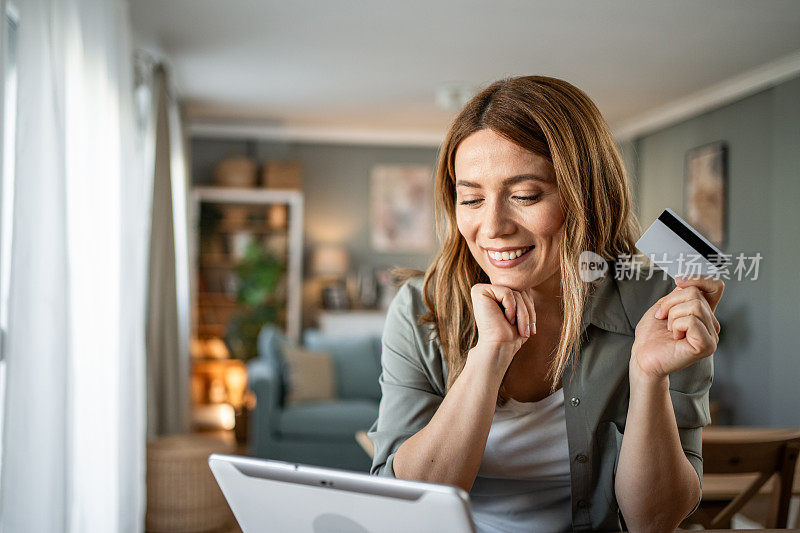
330 263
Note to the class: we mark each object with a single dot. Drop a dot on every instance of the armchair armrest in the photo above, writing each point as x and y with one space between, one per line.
265 382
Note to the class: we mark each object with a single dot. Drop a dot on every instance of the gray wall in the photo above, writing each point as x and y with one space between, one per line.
757 365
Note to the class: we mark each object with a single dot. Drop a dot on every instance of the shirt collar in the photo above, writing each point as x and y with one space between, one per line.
604 307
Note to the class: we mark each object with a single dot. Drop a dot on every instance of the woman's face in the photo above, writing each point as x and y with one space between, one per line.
507 201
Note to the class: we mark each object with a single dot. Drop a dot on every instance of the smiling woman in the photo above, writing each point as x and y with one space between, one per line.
499 148
505 373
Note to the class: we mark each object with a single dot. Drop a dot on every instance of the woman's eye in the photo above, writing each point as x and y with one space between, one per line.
528 198
520 198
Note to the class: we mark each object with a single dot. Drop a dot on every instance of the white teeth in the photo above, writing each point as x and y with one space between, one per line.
507 256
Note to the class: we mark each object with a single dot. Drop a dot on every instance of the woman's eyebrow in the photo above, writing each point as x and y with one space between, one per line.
513 180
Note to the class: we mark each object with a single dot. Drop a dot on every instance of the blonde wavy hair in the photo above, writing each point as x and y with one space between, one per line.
556 120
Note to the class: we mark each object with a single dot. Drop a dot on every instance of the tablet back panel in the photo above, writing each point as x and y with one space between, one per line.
276 496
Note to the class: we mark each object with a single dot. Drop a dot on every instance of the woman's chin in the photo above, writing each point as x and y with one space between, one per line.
514 282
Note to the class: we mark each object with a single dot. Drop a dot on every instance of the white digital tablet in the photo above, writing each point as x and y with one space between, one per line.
273 496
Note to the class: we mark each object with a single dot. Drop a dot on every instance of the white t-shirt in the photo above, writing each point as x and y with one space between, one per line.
524 481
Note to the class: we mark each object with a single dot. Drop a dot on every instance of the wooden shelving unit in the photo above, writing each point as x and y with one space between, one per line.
213 301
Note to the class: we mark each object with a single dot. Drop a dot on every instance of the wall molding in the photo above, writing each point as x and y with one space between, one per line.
313 134
730 90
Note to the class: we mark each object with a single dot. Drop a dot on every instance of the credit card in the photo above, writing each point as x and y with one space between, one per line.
678 249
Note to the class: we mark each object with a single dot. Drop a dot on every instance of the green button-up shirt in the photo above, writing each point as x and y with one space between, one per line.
596 391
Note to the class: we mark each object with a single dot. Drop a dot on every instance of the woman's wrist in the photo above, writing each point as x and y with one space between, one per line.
645 380
491 360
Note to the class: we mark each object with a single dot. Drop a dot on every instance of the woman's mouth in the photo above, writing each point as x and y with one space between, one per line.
508 258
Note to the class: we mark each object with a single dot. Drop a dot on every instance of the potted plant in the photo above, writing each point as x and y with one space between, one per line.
258 274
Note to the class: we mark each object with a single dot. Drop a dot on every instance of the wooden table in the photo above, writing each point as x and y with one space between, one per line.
363 440
726 487
715 486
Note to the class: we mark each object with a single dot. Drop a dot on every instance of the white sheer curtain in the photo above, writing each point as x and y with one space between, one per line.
73 442
4 126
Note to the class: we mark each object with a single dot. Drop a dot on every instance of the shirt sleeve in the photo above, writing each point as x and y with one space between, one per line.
688 389
411 389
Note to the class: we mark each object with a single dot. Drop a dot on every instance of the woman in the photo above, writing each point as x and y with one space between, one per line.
507 375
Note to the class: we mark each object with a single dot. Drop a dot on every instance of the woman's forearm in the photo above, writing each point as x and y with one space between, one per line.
450 448
656 486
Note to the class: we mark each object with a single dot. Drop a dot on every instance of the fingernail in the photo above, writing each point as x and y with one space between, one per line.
534 327
668 327
527 330
658 312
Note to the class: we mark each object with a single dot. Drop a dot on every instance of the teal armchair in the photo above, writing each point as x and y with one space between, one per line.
319 433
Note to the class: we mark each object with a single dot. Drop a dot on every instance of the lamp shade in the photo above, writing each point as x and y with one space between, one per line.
330 260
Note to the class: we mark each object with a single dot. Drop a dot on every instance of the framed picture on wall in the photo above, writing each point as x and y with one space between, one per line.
401 208
706 191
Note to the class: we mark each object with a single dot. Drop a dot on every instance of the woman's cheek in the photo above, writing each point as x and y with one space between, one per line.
547 222
466 226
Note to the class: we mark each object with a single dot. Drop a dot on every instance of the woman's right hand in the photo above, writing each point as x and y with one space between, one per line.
505 318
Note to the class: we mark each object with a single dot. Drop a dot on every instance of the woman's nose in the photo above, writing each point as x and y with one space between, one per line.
497 223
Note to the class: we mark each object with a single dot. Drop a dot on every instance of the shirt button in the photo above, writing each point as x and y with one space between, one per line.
582 504
581 458
575 402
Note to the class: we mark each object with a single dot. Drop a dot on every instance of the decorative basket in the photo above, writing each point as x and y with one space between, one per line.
236 171
276 174
182 494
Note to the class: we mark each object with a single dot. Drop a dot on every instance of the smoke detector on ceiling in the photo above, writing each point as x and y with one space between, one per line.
453 96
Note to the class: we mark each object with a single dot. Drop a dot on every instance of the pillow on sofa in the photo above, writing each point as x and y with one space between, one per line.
311 375
356 360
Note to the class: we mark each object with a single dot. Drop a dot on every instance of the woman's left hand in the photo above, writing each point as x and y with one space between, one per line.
679 329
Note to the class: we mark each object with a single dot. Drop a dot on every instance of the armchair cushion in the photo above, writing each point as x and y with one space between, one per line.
338 420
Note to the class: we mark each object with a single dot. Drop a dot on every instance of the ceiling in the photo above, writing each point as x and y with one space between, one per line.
377 64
